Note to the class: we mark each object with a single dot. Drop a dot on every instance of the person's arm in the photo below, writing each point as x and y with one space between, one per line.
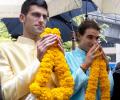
80 79
111 82
78 74
14 86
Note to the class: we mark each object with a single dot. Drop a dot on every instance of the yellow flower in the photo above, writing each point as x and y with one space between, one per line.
53 59
48 30
98 72
56 31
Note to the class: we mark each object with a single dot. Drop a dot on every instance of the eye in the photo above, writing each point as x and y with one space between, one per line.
90 37
97 38
45 17
36 14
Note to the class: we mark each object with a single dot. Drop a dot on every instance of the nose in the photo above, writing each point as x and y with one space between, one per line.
94 41
41 19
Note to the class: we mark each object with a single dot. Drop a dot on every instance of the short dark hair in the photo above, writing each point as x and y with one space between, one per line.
117 66
26 5
86 25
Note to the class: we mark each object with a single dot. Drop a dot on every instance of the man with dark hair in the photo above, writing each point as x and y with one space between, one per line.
81 58
26 6
20 60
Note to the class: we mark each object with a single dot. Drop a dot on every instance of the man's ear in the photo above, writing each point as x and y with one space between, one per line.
78 36
22 18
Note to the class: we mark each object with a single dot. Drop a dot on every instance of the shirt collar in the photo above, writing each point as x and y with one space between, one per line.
79 51
25 40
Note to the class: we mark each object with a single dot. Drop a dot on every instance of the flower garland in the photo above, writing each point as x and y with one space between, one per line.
98 72
53 59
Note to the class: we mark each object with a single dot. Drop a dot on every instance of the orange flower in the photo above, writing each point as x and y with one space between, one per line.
98 72
53 57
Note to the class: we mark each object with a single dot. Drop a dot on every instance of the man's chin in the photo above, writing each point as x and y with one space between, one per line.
38 32
87 49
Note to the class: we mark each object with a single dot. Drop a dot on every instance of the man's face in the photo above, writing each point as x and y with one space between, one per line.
89 38
35 20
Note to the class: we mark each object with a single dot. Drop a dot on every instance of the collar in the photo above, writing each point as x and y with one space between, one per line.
79 51
25 40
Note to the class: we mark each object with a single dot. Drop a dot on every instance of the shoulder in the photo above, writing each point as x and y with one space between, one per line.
70 57
7 47
6 44
68 54
72 53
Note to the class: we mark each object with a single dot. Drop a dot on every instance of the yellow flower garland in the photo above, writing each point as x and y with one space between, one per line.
53 59
98 72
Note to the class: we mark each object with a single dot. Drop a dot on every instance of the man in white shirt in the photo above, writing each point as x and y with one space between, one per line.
20 60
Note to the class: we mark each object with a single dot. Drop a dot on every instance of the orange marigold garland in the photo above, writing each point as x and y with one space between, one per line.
98 72
53 59
104 82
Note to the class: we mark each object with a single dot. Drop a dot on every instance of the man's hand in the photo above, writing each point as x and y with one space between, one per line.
46 42
91 55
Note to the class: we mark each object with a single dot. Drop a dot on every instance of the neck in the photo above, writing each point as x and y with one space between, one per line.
31 36
82 48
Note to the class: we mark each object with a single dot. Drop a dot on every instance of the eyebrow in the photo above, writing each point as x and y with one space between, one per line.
93 35
98 37
39 13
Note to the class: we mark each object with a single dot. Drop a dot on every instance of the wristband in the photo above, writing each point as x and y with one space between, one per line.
83 66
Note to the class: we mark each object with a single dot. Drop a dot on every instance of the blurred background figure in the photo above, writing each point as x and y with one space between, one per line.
116 77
